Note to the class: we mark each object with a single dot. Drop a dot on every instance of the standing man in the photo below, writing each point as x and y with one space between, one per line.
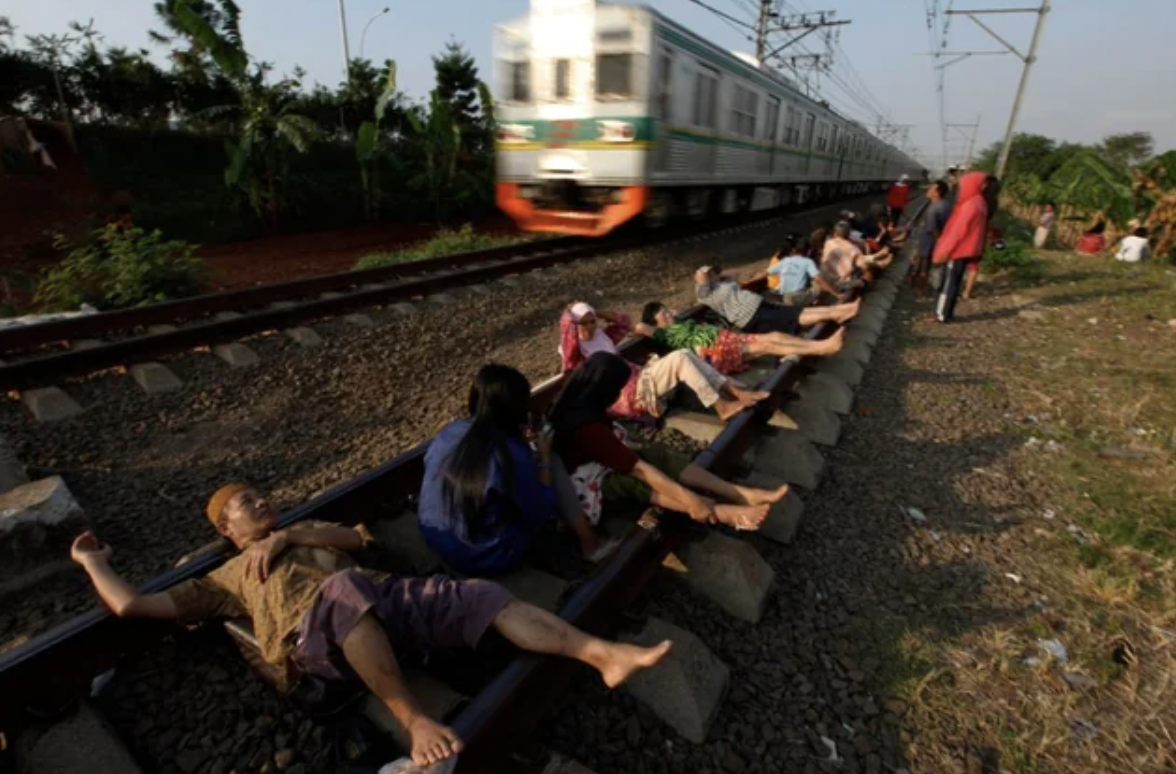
962 242
1044 226
899 196
934 222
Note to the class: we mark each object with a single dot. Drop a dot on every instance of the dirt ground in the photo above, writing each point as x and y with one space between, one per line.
1020 618
276 259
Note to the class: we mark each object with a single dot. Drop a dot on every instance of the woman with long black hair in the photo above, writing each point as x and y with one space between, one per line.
604 468
485 494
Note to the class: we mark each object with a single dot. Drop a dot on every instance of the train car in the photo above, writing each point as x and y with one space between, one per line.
608 112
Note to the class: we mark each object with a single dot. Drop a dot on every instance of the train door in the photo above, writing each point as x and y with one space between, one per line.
664 109
771 129
706 119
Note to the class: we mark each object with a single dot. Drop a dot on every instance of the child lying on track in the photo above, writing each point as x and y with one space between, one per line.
726 350
315 611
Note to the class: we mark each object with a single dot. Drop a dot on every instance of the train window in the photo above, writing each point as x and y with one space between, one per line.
772 120
706 92
807 138
665 83
563 79
518 81
614 76
744 111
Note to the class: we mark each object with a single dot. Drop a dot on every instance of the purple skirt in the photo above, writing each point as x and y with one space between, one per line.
418 615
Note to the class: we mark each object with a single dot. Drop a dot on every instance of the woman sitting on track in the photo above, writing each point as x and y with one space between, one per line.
644 392
485 497
604 468
727 350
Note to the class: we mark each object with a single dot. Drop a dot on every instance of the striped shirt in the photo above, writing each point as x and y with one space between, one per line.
732 302
840 258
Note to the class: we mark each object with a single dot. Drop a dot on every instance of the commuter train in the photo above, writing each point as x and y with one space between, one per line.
608 112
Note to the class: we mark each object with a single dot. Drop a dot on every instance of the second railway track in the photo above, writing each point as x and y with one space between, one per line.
35 355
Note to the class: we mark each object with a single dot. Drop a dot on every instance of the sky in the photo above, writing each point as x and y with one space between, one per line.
1104 65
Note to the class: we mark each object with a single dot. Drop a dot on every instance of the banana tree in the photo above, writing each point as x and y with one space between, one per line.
369 142
266 124
439 134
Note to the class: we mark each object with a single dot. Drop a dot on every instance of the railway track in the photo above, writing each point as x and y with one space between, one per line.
35 355
59 665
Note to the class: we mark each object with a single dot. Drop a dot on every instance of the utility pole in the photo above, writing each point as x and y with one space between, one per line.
346 45
761 34
805 23
1029 58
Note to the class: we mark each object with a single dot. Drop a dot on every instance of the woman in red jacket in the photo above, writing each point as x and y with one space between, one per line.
962 241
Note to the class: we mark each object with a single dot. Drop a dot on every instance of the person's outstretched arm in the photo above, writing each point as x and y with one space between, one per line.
123 599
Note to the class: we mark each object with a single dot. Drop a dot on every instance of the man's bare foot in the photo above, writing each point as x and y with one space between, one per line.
622 661
747 395
742 517
431 741
727 409
831 345
750 495
848 311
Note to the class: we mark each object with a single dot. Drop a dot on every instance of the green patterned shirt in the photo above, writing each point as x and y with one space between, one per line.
687 335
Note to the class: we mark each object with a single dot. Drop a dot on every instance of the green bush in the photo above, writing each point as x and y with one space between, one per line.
446 242
1015 255
119 268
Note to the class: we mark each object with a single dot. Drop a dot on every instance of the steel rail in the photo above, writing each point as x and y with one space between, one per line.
90 326
24 373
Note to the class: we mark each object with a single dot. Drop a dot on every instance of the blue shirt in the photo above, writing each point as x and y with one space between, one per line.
796 273
509 522
933 223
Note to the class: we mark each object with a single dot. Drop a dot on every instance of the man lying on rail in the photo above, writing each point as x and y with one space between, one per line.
747 311
726 350
313 609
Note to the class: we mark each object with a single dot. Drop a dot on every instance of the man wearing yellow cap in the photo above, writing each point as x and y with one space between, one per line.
315 612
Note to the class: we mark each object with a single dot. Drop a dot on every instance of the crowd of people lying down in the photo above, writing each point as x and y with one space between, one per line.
497 478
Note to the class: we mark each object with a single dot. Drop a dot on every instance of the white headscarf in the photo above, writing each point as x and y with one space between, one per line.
600 342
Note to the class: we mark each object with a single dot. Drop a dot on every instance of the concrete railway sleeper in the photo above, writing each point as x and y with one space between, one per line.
771 442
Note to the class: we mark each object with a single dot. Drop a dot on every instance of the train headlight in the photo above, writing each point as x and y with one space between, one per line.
516 133
616 131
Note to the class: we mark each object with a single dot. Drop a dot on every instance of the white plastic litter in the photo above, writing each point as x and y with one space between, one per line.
1054 648
406 766
833 756
1049 514
914 514
1013 577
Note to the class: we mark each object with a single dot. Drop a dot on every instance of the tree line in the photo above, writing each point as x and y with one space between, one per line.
1118 180
210 87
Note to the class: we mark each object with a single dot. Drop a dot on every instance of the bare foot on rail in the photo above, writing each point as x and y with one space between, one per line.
831 345
745 395
727 409
431 741
750 495
745 518
848 311
621 661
